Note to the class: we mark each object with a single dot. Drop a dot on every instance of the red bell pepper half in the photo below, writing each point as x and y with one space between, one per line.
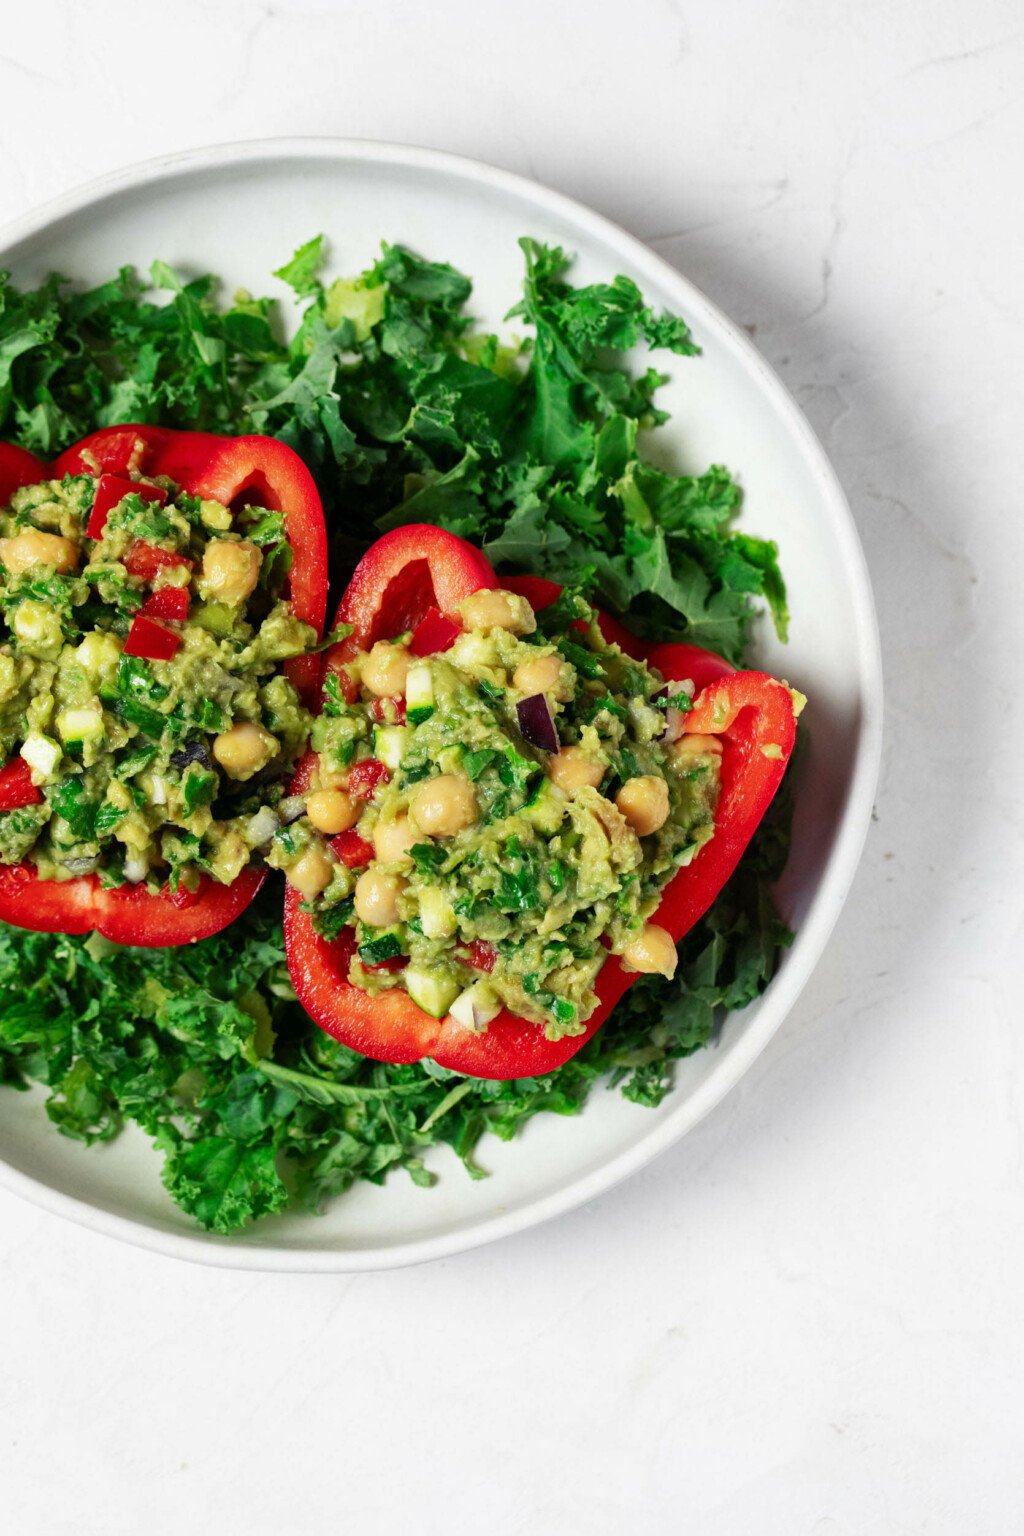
751 711
218 468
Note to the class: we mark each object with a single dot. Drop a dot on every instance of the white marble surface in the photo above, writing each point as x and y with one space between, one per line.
807 1317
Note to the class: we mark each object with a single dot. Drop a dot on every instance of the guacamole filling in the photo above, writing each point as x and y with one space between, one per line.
533 791
160 771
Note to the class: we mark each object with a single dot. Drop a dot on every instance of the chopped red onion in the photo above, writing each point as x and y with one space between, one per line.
262 827
537 723
673 717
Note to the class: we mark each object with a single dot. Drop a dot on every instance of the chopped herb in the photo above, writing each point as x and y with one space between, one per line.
475 762
428 858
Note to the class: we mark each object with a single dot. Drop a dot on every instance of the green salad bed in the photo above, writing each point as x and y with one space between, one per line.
404 412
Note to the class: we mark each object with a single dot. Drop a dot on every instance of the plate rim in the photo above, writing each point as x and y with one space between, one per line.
851 827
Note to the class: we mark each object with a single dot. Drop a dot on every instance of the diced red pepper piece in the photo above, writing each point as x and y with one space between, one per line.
168 603
353 851
144 560
397 581
388 711
364 778
16 787
396 963
110 489
153 641
435 632
480 955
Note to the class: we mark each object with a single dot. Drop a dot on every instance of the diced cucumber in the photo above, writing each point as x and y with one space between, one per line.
389 743
84 724
41 754
437 915
381 944
477 1006
419 694
434 991
545 808
216 618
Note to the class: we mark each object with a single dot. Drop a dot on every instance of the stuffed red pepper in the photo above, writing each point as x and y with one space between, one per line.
513 808
162 594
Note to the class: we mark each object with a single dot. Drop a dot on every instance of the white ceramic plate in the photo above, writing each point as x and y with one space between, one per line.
240 210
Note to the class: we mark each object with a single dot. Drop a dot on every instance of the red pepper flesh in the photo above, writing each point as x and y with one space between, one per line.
480 955
146 560
183 898
353 851
209 467
18 468
752 712
130 914
364 778
168 603
388 711
434 633
153 641
110 489
16 787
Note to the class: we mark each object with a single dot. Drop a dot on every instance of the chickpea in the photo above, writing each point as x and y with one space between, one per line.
231 569
491 608
693 744
571 768
385 669
644 803
35 548
311 872
393 839
244 749
443 806
376 898
651 950
332 811
538 675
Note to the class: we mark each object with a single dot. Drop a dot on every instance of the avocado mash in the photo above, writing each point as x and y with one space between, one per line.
158 743
486 823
